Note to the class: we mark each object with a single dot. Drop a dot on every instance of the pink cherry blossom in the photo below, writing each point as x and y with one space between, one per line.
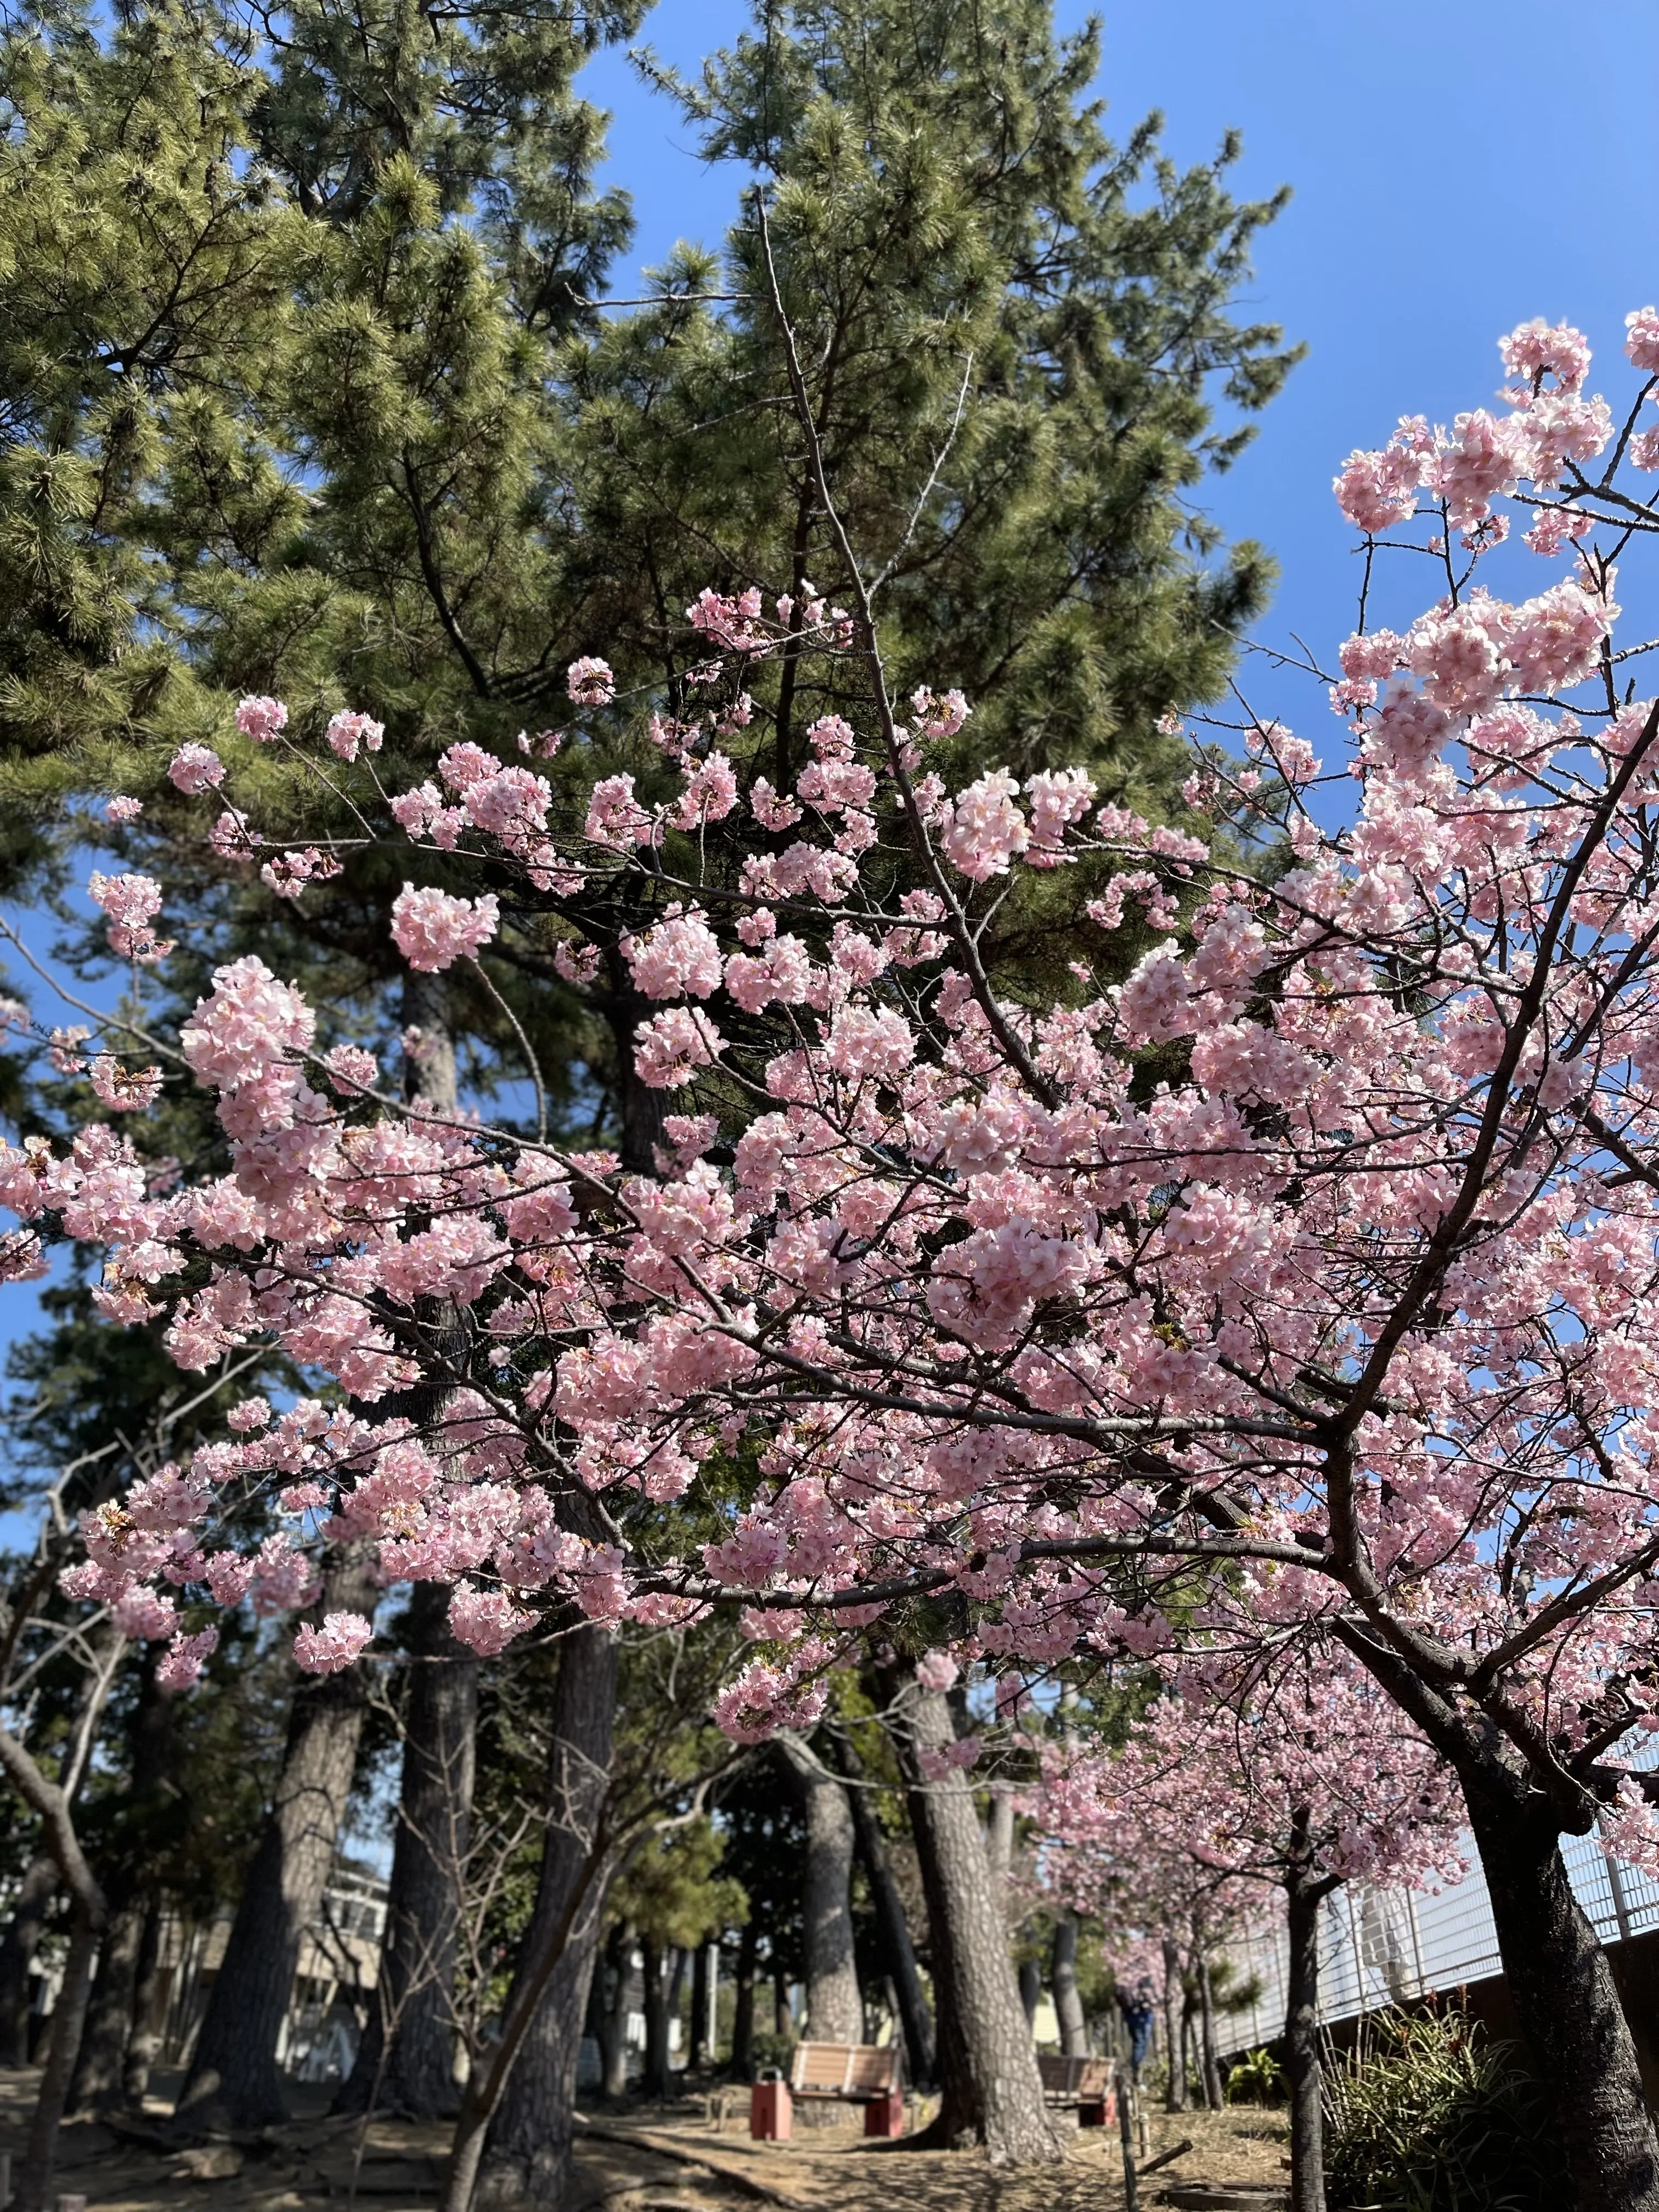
196 768
262 718
334 1646
432 929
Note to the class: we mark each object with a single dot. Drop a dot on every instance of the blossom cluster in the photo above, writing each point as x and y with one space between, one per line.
1307 1264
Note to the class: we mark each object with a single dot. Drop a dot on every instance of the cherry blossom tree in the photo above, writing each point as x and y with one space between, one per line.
1302 1277
1299 1775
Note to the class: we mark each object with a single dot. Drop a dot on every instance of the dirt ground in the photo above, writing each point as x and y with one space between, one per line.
674 2158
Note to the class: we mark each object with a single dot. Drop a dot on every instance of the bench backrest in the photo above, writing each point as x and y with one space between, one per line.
1089 2079
844 2070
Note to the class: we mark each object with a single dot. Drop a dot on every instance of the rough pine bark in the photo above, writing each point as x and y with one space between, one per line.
99 2083
834 2008
914 2014
406 2063
697 2053
991 2091
1063 1974
234 2081
1565 1999
513 2141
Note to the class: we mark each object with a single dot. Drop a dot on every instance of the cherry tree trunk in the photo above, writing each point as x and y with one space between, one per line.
1303 1892
406 2063
991 2091
834 2008
914 2016
17 1948
1175 2092
1062 1974
234 2081
1567 2005
513 2141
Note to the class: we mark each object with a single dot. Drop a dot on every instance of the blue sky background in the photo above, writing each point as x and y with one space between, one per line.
1456 169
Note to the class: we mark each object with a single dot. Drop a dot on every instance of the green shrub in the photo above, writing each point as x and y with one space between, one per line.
1428 2116
1257 2078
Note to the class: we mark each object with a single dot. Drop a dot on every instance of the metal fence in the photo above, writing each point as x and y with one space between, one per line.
1383 1947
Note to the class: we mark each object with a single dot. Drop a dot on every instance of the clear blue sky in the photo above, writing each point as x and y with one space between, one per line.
1444 192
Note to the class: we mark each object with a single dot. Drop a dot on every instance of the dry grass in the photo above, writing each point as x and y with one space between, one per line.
666 2160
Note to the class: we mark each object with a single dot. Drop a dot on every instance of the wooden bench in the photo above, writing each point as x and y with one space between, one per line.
865 2074
1084 2084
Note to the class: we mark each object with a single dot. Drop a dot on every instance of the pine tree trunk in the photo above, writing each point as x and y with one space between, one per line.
913 2013
406 2063
835 2010
1304 1890
234 2081
1175 2094
655 2083
992 2093
783 2019
513 2141
696 2052
999 1832
743 2005
619 1951
1030 1989
1068 2005
144 2041
21 1941
1566 2004
99 2082
1210 2055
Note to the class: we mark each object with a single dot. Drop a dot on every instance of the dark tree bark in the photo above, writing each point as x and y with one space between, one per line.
1175 2092
991 2091
406 2063
21 1941
1030 1989
835 2010
655 2081
783 2019
234 2081
1566 2001
1068 2005
743 2005
513 2141
915 2015
697 2043
1304 1888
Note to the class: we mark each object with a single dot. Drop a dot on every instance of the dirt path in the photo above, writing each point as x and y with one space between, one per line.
661 2159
